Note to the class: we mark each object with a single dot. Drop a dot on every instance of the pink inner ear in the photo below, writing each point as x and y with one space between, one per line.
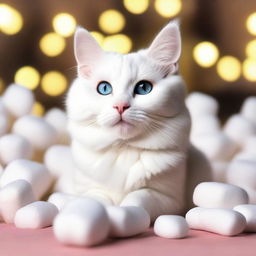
166 47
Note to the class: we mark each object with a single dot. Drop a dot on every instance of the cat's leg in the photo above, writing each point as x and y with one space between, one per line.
154 202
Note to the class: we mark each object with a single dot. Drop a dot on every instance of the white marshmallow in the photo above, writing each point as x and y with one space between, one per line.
250 145
219 171
238 128
171 226
13 196
14 146
219 195
216 146
83 222
4 124
249 212
245 156
40 134
221 221
200 104
58 119
35 173
39 214
248 109
18 100
60 200
127 220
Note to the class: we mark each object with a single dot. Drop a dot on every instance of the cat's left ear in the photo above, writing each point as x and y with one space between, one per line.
166 47
88 53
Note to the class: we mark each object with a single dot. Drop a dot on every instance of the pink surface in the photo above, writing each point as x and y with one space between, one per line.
21 242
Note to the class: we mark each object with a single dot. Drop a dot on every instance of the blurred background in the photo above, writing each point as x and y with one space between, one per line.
219 43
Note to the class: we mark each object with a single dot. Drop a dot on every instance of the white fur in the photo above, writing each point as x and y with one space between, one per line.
141 161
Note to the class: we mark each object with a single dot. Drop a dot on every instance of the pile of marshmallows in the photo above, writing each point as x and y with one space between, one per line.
36 159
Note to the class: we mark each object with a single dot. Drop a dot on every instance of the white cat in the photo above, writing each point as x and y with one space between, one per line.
130 126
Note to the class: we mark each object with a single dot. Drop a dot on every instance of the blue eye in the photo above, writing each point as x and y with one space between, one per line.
104 88
143 87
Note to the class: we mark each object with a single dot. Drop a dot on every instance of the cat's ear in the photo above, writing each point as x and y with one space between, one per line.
166 47
87 52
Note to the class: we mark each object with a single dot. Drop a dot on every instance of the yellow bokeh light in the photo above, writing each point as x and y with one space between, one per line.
28 77
205 54
111 21
168 8
38 109
136 6
64 24
251 23
11 20
52 44
1 85
249 69
229 68
117 43
98 37
54 83
250 49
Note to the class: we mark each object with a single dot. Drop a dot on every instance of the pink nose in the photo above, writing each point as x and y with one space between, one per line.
121 107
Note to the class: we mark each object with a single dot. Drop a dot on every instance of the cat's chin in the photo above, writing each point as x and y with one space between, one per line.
125 129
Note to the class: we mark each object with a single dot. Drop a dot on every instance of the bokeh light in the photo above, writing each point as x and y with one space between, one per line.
28 77
136 6
54 83
250 49
111 21
11 21
64 24
38 109
168 8
52 44
205 54
249 69
117 43
2 85
98 37
229 68
251 23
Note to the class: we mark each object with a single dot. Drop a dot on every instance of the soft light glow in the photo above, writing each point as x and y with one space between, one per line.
111 21
168 8
27 76
54 83
205 54
229 68
11 20
249 69
64 24
98 37
52 44
136 6
250 49
38 109
1 85
117 43
251 23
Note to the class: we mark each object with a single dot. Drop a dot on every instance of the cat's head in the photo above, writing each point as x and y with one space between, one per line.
132 98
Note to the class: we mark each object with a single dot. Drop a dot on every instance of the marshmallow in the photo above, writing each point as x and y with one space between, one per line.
13 196
58 119
238 128
127 221
219 171
34 173
40 134
83 222
4 124
14 146
221 221
60 200
171 226
200 104
216 146
219 195
250 145
248 109
18 100
249 212
39 214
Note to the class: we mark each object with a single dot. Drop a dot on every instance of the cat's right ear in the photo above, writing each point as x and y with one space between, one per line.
87 52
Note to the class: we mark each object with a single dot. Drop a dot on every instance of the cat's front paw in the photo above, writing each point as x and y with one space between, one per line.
99 196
